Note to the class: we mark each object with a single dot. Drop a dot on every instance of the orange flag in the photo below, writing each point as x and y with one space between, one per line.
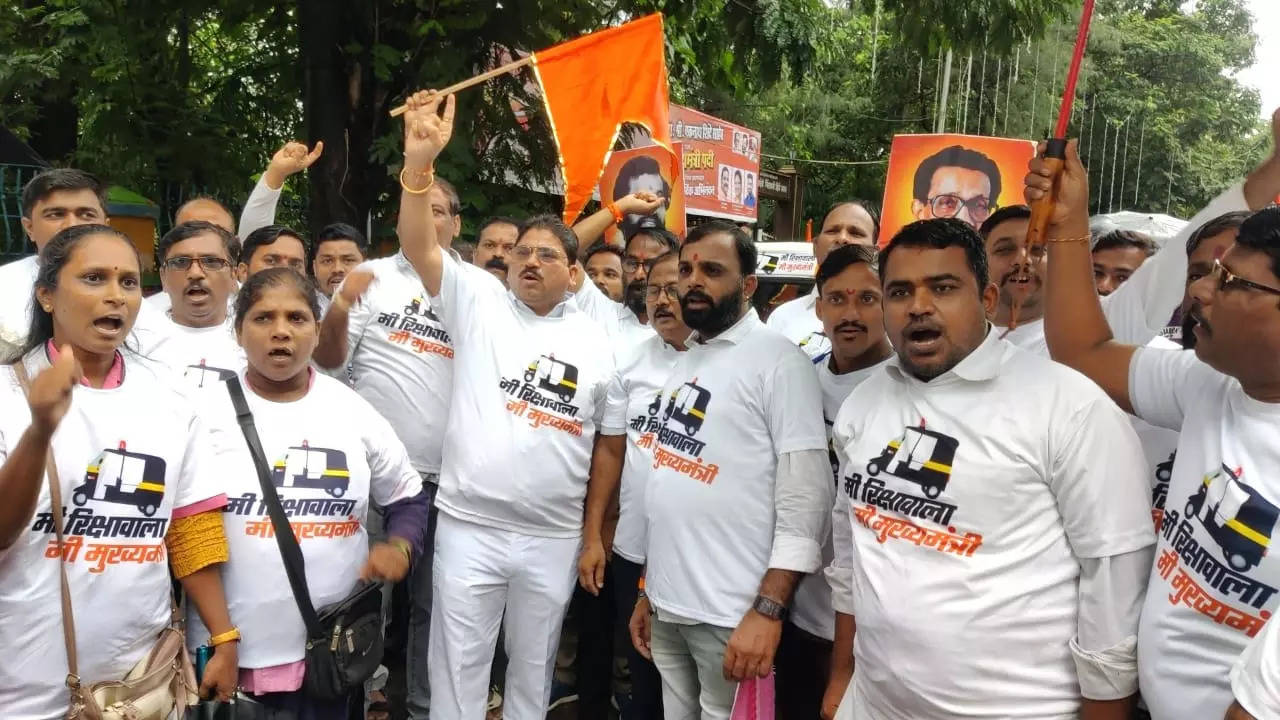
591 86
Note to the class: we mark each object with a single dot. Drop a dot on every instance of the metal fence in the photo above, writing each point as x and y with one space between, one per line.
13 241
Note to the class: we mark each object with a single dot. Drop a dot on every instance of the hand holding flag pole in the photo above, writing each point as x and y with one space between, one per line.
1056 149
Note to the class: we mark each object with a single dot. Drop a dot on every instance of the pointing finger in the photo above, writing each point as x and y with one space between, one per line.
315 154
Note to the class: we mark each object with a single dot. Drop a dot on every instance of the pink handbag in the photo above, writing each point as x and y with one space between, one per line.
754 699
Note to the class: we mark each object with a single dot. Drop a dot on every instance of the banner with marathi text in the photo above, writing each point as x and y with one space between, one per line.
721 163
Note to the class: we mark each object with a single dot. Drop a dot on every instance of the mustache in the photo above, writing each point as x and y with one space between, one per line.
1018 271
495 263
697 295
924 324
196 285
850 325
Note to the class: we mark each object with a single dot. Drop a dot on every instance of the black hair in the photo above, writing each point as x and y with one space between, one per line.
868 207
188 230
653 262
1114 239
451 194
600 246
1261 232
1227 221
268 235
51 181
53 258
939 234
341 231
496 220
843 257
659 234
256 286
554 225
955 156
1011 212
741 242
638 165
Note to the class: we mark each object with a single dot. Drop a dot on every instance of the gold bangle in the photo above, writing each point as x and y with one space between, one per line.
1082 238
403 546
226 637
404 186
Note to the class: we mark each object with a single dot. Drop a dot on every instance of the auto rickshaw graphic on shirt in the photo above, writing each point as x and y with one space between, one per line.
306 467
767 263
202 373
418 306
1238 519
921 456
688 406
559 377
120 476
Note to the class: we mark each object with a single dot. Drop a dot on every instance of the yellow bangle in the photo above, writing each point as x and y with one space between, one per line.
226 637
411 191
1082 238
403 546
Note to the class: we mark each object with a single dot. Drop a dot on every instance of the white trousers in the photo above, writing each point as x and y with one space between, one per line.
480 572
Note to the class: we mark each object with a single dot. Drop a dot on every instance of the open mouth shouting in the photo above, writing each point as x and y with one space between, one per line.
110 326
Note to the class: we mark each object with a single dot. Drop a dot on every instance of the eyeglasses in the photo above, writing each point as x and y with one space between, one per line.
1228 279
631 264
948 206
209 263
651 291
545 254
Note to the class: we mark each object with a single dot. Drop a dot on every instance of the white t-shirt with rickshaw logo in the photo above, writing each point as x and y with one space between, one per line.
126 458
330 455
1215 581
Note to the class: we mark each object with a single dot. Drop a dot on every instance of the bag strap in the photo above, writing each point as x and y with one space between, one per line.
55 500
294 565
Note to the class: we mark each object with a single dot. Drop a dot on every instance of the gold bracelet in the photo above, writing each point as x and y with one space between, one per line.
226 637
1082 238
404 186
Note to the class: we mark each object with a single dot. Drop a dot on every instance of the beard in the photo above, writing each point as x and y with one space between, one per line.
719 315
633 297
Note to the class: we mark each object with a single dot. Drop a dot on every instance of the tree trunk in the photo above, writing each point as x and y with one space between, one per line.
338 177
55 128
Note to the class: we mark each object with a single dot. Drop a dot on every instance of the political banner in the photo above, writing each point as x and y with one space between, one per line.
645 169
966 177
721 165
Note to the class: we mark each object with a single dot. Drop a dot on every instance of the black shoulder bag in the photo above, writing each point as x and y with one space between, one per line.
344 640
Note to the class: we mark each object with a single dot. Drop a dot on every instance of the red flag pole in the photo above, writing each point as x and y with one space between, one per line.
1055 154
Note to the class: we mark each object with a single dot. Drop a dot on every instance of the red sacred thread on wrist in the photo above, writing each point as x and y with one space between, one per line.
617 214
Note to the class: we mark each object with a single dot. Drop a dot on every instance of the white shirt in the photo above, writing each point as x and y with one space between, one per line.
1255 677
798 321
331 454
529 395
973 501
1159 446
259 209
401 356
642 372
811 609
17 282
202 356
617 320
126 458
735 406
1213 584
1140 308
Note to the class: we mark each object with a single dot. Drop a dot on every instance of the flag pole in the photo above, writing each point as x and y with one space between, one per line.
1055 154
509 67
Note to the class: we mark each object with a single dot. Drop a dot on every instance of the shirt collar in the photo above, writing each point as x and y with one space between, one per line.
114 377
980 365
736 332
558 311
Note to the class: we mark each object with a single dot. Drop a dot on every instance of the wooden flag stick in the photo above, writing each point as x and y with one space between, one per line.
509 67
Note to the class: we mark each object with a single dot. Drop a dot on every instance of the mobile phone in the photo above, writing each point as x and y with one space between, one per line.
203 654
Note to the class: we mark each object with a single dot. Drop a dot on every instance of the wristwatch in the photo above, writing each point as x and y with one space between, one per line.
770 608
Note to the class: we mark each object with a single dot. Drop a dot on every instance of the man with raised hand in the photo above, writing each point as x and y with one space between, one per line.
847 223
993 570
260 209
1213 585
532 374
740 491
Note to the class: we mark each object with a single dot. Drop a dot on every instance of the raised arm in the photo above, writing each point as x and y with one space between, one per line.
593 227
426 132
260 209
1074 326
333 347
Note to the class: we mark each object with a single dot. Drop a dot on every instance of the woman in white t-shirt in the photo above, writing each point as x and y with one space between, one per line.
331 456
136 486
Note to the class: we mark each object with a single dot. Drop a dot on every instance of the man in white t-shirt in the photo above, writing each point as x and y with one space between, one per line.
338 249
740 492
494 239
52 201
1255 678
260 209
197 338
847 223
848 306
1213 584
992 568
201 208
531 379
